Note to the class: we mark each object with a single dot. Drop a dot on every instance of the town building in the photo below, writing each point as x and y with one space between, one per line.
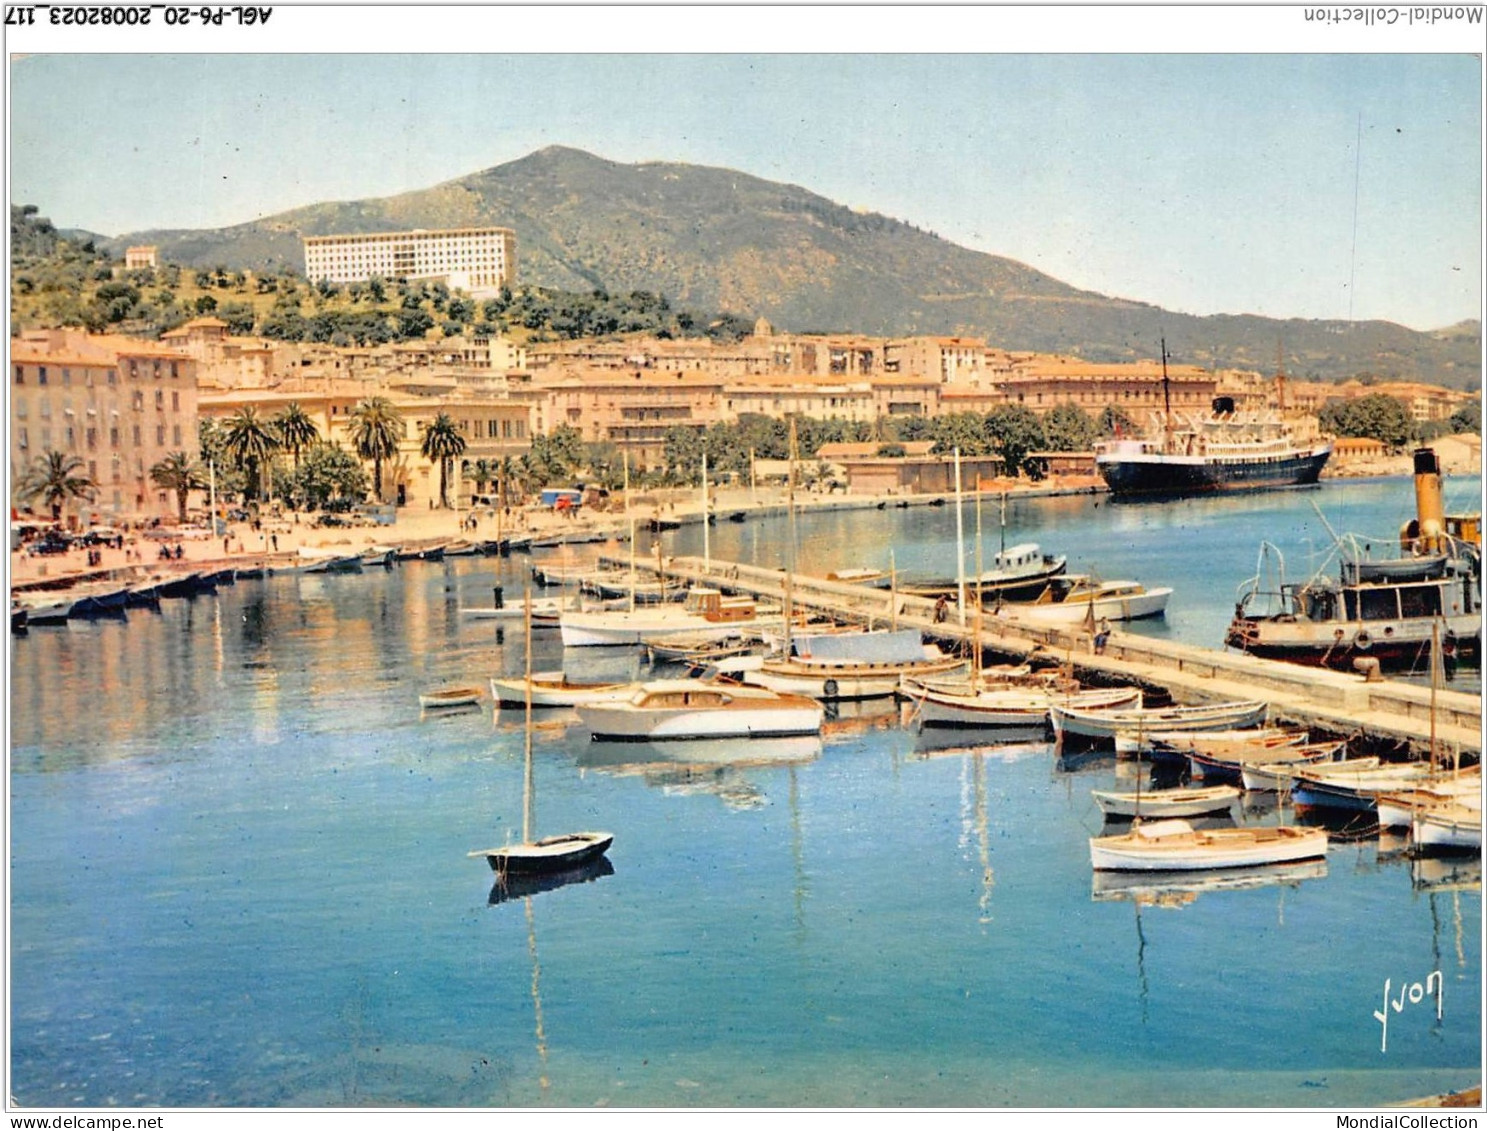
142 257
479 261
120 405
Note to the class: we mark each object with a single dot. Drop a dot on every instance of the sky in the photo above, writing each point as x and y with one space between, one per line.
1306 184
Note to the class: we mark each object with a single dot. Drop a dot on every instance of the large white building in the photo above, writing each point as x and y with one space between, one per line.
479 261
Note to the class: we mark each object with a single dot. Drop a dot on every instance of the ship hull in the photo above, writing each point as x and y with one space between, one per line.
1156 474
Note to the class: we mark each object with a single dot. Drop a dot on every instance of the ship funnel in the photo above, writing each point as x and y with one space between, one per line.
1425 533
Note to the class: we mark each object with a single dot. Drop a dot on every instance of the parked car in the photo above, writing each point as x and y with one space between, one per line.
51 543
102 536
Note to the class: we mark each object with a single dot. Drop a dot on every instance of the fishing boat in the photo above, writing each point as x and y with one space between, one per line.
552 576
1226 762
1375 609
181 585
1352 790
1078 597
1277 776
1174 747
1448 828
461 548
1164 803
706 612
45 610
687 648
554 689
942 703
1398 809
18 617
615 585
847 665
1176 846
379 555
98 600
1102 726
560 853
1221 451
1019 572
449 697
319 559
687 708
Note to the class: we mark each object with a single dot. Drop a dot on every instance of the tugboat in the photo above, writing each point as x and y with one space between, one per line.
1382 609
1224 451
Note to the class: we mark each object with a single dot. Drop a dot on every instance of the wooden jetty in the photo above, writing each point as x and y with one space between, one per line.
1339 702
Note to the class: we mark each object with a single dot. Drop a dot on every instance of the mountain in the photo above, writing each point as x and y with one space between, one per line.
715 239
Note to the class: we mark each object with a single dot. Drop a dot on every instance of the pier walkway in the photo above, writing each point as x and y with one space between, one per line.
1340 702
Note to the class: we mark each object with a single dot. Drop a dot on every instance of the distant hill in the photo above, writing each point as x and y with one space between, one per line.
716 239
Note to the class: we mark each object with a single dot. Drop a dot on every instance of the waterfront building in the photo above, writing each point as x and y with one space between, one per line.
494 426
479 261
118 404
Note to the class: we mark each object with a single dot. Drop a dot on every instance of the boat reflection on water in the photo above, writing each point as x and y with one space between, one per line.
1446 873
1178 889
937 742
515 885
716 766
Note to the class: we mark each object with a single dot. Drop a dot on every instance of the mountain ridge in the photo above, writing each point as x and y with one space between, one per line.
711 238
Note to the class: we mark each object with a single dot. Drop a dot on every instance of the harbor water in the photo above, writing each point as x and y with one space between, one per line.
239 872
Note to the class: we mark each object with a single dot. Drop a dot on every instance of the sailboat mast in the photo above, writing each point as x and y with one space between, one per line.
790 559
630 516
1166 397
526 789
707 556
960 547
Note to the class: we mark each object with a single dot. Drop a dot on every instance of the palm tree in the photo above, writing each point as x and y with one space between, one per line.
179 473
296 430
515 478
250 442
482 472
442 441
376 429
53 478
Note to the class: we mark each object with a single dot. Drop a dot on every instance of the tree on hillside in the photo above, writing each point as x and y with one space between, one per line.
54 479
179 473
442 442
376 429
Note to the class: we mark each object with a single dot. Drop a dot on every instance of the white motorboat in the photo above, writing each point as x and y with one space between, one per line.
1355 790
940 704
1102 726
554 689
1166 802
1165 846
688 708
1226 761
1019 571
1070 600
706 612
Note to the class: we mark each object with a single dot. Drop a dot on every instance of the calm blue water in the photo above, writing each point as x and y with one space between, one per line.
238 874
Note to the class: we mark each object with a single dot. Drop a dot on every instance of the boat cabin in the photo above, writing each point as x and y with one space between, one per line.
711 605
1022 556
670 700
1449 596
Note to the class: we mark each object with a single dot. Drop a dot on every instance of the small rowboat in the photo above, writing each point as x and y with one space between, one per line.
550 854
1167 802
450 697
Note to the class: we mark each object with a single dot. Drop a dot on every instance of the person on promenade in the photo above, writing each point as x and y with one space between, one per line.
942 609
1102 636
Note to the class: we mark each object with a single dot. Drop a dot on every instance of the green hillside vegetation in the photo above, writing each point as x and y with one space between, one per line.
716 239
57 281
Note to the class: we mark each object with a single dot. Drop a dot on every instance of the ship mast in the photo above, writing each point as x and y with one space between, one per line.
1166 400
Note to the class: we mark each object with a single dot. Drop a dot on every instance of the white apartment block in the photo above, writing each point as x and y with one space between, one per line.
479 261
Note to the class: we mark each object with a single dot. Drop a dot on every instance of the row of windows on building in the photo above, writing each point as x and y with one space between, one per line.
137 403
70 433
158 369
